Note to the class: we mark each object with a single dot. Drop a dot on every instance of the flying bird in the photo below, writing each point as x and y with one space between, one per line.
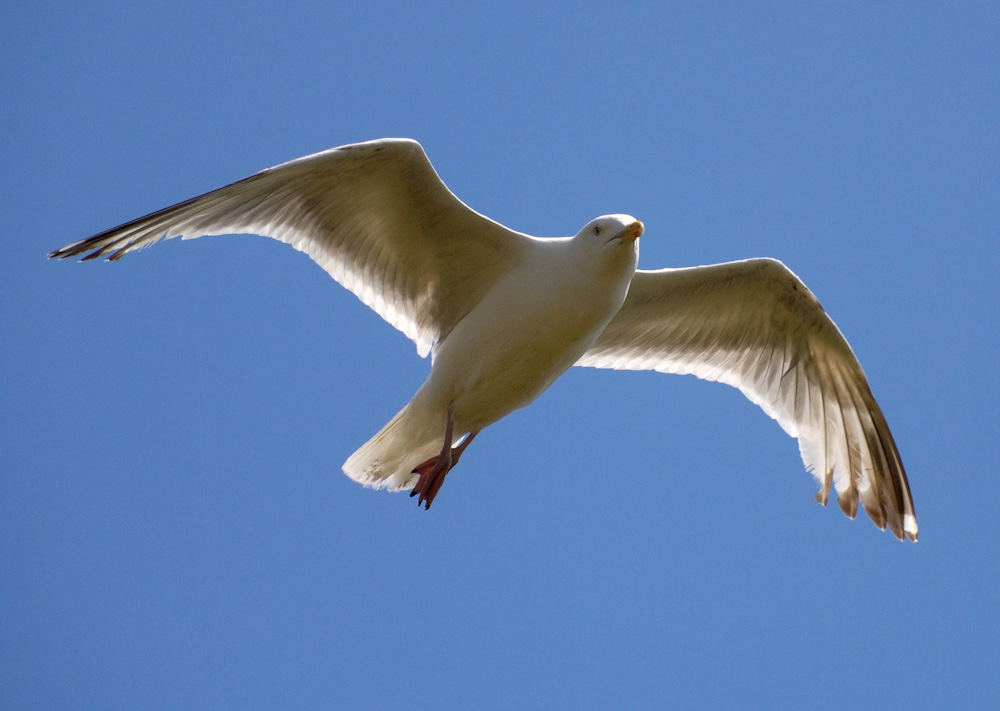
503 314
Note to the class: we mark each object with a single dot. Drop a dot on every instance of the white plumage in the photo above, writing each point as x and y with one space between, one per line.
503 314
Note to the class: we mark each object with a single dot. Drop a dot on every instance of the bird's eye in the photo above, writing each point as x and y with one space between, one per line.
597 230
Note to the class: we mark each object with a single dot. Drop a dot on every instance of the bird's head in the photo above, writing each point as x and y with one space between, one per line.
611 229
611 242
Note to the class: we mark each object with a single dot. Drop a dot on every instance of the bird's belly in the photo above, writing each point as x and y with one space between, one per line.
507 379
512 346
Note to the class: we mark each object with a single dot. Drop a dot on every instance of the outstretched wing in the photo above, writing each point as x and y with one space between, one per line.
754 325
374 215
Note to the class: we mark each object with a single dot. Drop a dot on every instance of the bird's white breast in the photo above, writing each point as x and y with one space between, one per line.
523 335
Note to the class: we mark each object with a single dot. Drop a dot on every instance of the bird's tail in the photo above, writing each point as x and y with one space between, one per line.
386 461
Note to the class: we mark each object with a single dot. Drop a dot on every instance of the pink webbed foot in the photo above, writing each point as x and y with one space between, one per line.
434 470
431 479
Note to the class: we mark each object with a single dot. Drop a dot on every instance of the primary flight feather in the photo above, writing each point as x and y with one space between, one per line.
504 314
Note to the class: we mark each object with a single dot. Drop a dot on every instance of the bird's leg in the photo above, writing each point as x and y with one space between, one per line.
434 470
456 452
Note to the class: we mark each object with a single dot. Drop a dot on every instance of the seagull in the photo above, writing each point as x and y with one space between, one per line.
503 314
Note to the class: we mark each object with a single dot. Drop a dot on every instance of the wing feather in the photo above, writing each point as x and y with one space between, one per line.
374 215
754 325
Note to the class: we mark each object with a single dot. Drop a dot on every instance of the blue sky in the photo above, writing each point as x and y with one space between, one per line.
175 531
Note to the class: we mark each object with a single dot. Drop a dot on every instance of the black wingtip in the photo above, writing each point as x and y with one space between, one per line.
68 252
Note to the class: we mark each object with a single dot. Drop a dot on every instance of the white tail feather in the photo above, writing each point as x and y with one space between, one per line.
387 460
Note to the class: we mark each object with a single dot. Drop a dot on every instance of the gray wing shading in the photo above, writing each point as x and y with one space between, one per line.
374 215
754 325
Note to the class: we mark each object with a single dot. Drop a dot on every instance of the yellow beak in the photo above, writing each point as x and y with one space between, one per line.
632 232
